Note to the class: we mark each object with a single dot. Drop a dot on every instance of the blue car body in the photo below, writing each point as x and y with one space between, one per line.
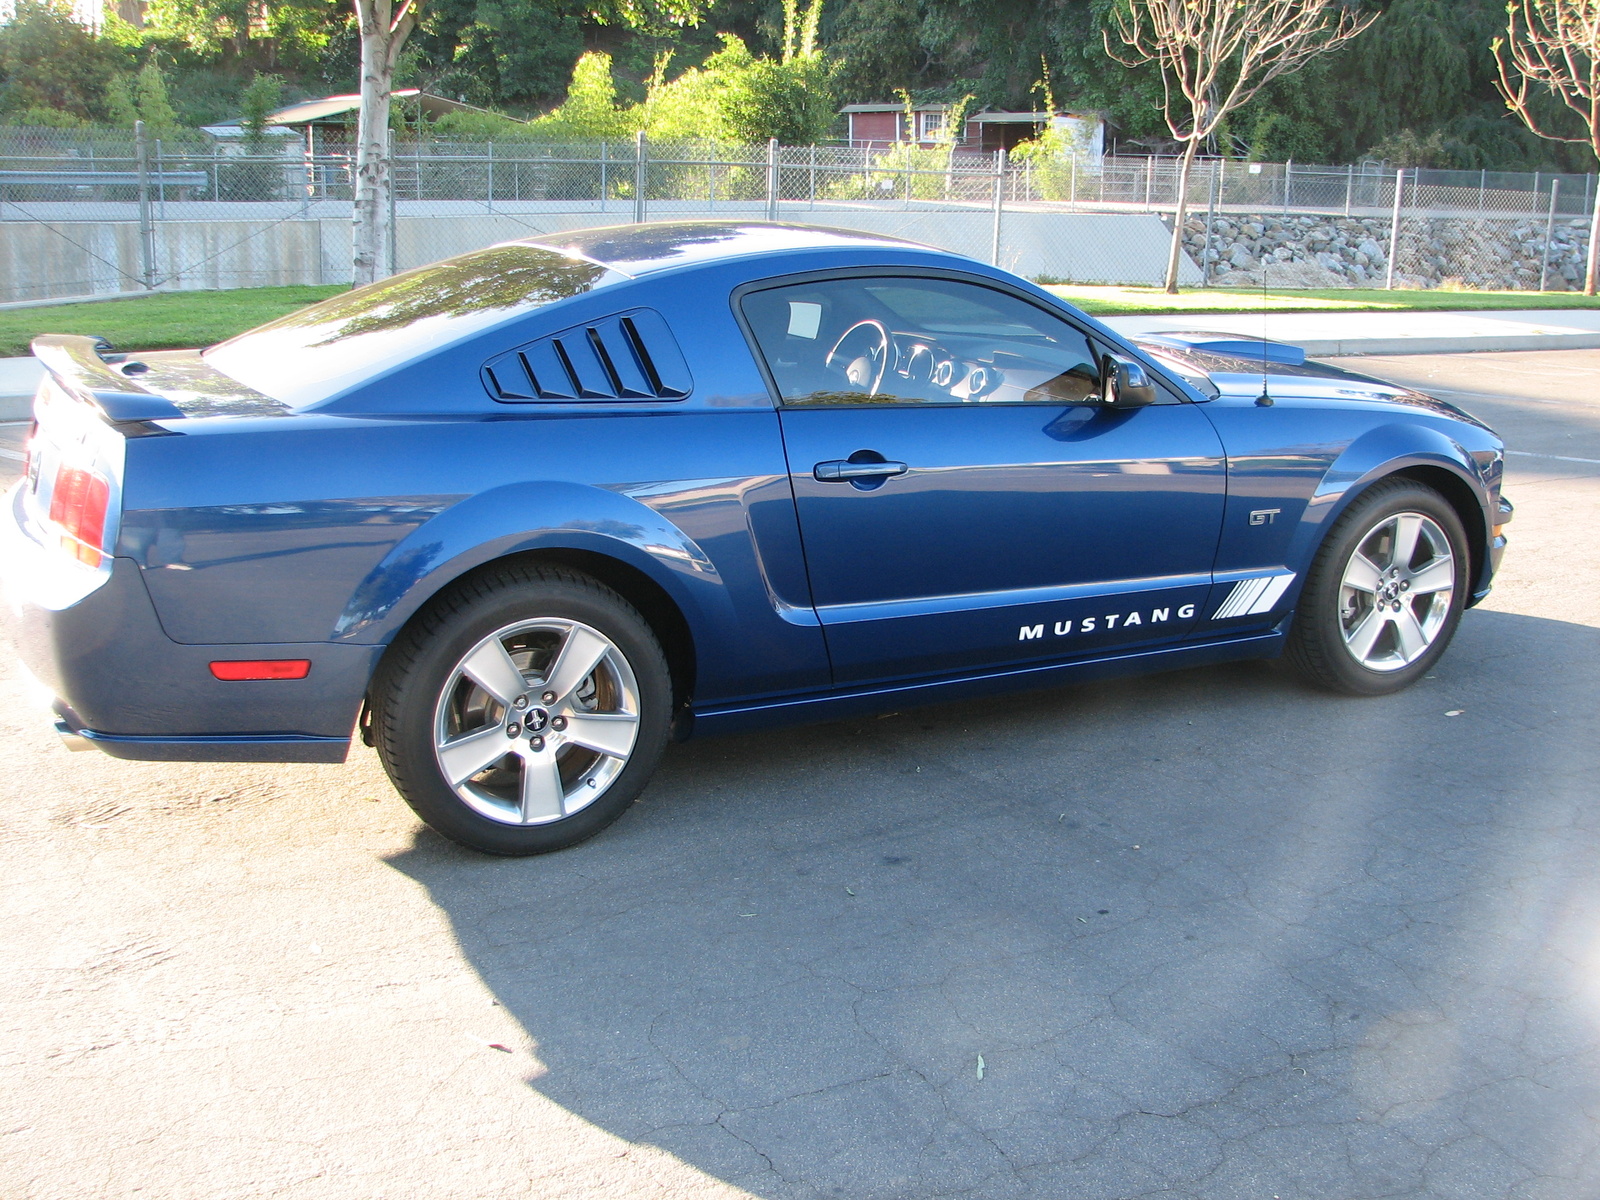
1024 545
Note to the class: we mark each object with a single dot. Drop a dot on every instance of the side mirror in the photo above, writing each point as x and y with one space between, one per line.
1125 384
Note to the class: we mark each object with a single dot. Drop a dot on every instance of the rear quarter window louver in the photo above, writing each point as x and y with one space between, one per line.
630 356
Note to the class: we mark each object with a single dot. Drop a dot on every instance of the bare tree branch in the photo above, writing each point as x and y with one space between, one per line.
1553 47
1216 55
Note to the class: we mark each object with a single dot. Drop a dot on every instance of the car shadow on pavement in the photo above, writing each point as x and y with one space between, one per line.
1209 932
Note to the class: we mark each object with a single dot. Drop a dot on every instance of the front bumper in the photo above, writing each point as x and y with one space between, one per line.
1504 511
121 685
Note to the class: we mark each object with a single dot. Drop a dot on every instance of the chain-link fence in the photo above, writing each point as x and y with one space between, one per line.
82 214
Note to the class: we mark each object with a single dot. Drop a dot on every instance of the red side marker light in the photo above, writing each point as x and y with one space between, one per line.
263 668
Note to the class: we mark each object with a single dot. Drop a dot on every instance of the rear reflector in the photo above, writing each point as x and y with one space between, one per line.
263 668
78 505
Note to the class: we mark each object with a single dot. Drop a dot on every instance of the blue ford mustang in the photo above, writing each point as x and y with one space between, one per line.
518 517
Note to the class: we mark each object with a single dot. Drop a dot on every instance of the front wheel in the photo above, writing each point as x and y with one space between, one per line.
524 711
1384 594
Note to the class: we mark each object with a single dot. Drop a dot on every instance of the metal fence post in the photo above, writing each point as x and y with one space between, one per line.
1394 225
1211 225
1483 191
394 186
640 173
147 233
1549 233
999 204
602 176
491 176
772 179
1288 182
813 175
1149 178
1349 187
1073 194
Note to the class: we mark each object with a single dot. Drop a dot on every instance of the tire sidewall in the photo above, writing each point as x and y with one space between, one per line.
407 708
1319 610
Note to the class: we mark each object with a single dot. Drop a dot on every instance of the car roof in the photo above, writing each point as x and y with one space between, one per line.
635 250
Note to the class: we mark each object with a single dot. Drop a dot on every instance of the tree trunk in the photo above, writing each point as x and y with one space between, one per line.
1589 277
1179 216
369 233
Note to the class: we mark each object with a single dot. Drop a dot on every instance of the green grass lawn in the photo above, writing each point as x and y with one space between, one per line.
173 321
181 319
1121 301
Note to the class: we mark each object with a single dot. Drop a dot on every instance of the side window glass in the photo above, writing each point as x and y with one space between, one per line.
906 340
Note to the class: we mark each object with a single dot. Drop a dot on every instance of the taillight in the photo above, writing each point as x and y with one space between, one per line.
78 505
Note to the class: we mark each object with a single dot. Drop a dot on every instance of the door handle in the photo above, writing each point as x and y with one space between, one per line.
842 470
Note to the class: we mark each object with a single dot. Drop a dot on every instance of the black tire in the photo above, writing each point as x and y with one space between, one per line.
409 702
1317 647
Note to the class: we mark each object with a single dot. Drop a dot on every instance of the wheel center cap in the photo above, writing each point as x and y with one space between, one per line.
535 719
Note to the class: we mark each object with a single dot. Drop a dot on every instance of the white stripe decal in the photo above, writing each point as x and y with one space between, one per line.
1242 596
1269 598
1227 607
1252 596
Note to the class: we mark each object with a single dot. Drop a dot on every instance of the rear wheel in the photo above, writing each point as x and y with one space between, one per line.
524 711
1385 592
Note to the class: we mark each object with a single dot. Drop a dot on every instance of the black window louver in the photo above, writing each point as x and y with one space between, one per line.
630 356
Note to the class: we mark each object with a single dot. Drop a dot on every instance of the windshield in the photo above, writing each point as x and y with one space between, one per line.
318 352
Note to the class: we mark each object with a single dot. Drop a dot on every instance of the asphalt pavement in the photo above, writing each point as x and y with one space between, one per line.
1201 935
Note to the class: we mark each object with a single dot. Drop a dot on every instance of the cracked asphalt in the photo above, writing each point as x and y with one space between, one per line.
1201 935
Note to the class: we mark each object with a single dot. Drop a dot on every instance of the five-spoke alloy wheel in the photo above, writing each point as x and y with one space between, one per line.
1396 591
537 721
524 711
1385 591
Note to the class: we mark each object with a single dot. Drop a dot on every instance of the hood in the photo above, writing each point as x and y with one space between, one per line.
1243 369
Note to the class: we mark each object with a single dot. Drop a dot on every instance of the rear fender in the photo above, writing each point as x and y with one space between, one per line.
1377 454
523 517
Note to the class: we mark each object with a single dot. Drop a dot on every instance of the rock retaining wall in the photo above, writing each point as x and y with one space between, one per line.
1332 252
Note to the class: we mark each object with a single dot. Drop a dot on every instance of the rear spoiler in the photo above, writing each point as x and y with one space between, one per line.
77 366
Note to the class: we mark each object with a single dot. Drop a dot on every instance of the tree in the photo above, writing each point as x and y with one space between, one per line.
150 98
1553 47
53 69
788 98
1214 56
384 27
591 111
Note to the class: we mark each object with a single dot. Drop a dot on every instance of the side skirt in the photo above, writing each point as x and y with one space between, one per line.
832 706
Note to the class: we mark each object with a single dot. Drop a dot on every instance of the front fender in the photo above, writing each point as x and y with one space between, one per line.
1380 452
531 516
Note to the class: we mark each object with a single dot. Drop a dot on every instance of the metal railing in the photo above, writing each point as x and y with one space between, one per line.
63 183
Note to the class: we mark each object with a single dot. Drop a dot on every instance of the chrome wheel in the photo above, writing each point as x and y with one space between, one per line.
536 721
1394 595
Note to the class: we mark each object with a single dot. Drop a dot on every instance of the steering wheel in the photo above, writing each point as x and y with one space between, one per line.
857 370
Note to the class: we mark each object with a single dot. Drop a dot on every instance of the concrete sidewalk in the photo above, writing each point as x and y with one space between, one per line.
19 379
1321 334
1329 334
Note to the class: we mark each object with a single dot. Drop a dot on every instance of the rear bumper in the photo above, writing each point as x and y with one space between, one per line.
126 688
